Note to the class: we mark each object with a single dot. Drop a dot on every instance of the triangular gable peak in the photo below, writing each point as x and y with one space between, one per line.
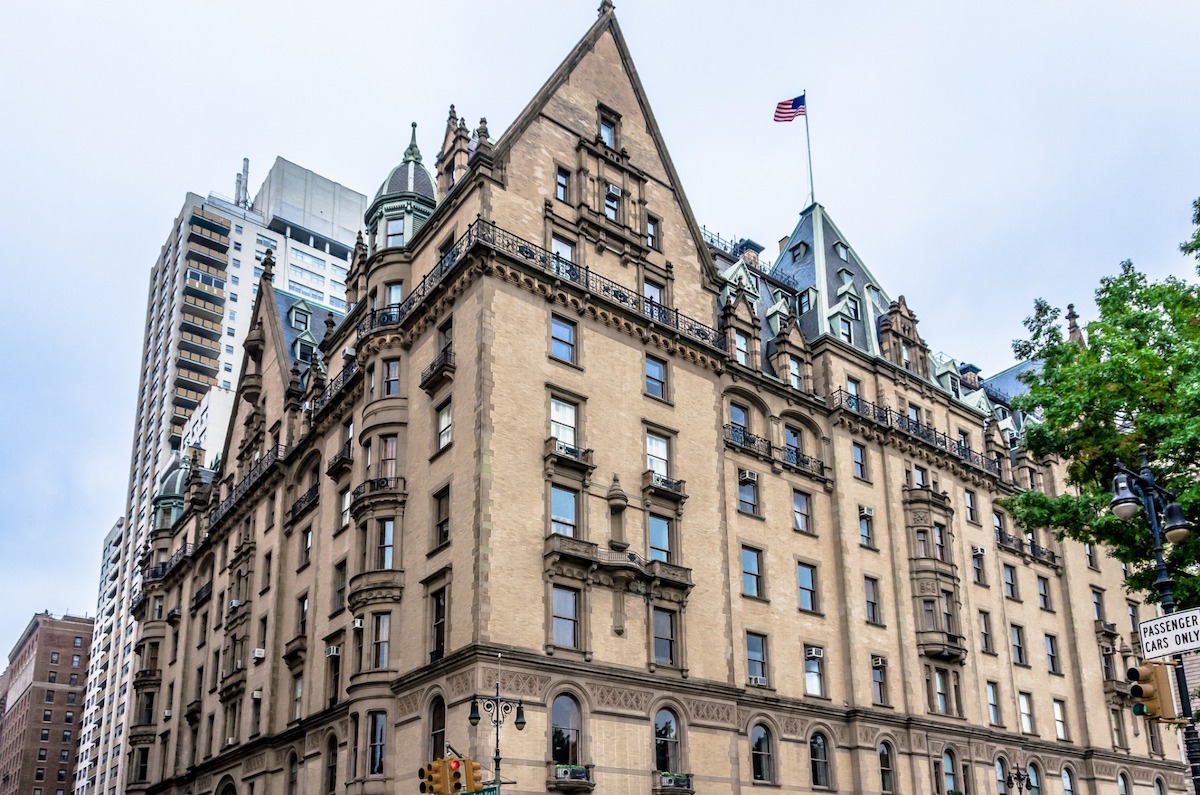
587 72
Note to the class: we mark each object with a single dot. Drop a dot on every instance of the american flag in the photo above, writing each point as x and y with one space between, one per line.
789 109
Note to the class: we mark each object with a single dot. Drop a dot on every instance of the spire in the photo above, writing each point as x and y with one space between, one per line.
606 7
412 152
268 273
1073 332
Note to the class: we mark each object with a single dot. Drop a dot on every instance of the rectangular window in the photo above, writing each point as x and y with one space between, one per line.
940 549
795 373
301 617
1060 720
562 421
381 633
657 454
385 545
941 691
608 131
977 570
993 701
660 538
879 694
266 574
562 339
1052 661
741 347
807 578
801 512
1018 644
305 546
814 671
656 378
920 477
344 505
564 504
652 233
1098 605
564 255
612 202
376 742
752 572
1025 703
391 377
747 493
846 330
566 617
339 586
393 293
297 696
972 510
1089 552
985 631
441 517
562 185
437 624
1044 593
444 426
860 461
1118 728
1133 617
1010 582
756 658
395 232
664 636
871 588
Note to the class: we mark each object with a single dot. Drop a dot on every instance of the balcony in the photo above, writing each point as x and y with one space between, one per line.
739 437
198 326
882 415
136 604
569 778
1042 554
560 456
202 595
489 236
375 585
335 388
257 473
210 220
672 783
1117 688
192 712
203 291
564 553
198 360
202 308
440 371
341 460
305 501
1010 542
193 379
208 237
198 344
207 255
295 651
378 491
1106 629
940 645
147 677
173 615
662 487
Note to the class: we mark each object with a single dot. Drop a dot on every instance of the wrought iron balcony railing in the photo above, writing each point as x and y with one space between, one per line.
442 364
305 501
739 436
252 477
335 387
489 235
374 485
1043 554
1010 542
202 595
159 571
931 436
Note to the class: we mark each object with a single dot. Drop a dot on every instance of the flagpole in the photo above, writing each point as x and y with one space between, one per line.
808 142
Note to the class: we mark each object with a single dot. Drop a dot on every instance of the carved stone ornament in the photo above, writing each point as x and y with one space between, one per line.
460 684
409 704
710 711
516 683
620 698
256 763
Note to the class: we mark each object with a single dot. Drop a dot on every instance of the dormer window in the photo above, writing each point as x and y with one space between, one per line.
395 232
842 251
873 294
300 320
846 330
805 301
906 357
853 309
304 351
741 345
608 129
846 276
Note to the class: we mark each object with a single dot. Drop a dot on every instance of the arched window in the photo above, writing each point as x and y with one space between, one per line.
437 728
1035 780
566 727
818 758
331 773
760 753
293 775
949 776
1068 782
1122 785
886 774
1001 776
1159 787
666 742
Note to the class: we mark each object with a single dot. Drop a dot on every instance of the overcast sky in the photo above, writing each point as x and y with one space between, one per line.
976 155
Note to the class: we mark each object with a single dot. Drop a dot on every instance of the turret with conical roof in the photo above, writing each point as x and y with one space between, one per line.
404 202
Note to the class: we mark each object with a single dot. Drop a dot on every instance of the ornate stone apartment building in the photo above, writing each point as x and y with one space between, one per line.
716 524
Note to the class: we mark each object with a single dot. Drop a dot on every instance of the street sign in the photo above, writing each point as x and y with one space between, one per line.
1172 634
490 789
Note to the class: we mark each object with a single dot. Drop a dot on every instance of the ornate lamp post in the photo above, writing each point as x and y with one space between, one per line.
1018 781
497 709
1137 491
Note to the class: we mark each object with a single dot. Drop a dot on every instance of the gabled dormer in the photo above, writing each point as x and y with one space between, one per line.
455 152
739 318
899 342
403 204
788 351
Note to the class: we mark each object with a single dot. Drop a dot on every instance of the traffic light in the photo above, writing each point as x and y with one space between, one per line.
1151 691
474 775
437 777
454 774
426 776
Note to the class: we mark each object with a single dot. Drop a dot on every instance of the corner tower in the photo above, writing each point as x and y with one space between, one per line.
404 202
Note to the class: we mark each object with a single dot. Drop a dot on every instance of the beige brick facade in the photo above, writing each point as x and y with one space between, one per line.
251 688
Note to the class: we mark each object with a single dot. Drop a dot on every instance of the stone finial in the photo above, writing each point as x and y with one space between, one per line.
617 498
330 324
268 273
1074 334
606 7
481 132
412 153
453 115
294 381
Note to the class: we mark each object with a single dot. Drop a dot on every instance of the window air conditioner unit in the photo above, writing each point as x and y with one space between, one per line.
1108 650
613 190
865 513
878 662
307 406
237 665
760 681
358 623
574 773
234 604
256 695
814 654
166 714
230 740
977 550
349 353
333 651
745 476
259 654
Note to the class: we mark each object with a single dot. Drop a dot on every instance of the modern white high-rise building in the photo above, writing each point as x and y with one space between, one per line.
198 308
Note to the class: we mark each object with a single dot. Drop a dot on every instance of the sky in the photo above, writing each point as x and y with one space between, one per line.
976 156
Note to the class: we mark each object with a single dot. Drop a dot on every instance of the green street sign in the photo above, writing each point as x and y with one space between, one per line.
490 789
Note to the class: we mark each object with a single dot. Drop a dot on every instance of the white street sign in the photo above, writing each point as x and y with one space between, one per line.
1173 634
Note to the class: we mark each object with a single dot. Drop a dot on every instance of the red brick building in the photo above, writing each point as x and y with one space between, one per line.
42 700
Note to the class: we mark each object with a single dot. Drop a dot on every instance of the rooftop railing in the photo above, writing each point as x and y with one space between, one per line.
246 483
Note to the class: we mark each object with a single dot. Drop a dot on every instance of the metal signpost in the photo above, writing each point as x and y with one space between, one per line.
1171 634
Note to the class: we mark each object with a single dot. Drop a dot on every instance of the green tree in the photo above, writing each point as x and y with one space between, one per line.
1135 381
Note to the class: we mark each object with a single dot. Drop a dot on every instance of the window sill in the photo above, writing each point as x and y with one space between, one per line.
809 533
989 652
982 584
769 784
440 451
760 687
868 547
1022 664
341 530
1056 673
1016 599
564 362
876 624
761 599
303 566
437 549
816 613
818 697
750 515
337 612
975 522
1050 610
864 480
658 399
264 590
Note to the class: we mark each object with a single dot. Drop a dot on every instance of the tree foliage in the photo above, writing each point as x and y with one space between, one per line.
1136 381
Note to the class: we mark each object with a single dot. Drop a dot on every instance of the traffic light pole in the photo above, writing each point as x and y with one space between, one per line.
1143 485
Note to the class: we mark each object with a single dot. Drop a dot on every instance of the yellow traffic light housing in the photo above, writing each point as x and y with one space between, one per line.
454 774
474 775
1151 691
437 778
425 774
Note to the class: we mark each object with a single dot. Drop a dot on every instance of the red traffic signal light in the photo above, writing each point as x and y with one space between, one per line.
454 774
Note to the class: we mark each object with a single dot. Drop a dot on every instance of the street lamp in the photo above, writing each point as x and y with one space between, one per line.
497 709
1019 780
1137 490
